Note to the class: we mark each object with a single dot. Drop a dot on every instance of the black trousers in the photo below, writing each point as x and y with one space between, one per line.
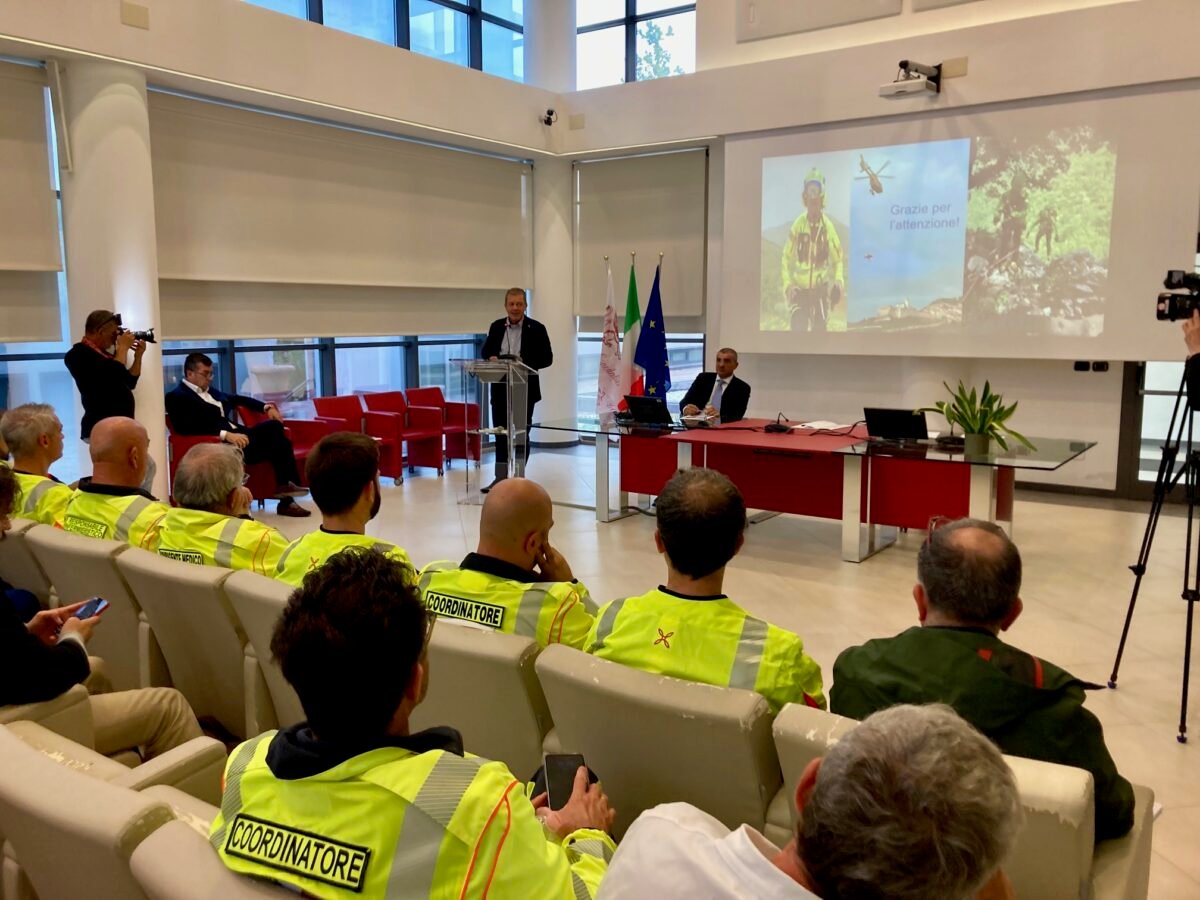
269 443
500 419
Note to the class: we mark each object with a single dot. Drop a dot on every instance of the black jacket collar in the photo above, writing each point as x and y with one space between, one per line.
113 490
671 593
490 565
297 752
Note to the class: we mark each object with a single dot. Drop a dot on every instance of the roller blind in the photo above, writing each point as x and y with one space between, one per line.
29 245
648 205
245 197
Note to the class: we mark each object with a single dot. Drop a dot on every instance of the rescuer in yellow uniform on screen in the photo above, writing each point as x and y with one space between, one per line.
814 276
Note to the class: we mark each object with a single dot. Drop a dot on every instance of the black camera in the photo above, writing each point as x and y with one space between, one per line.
1183 298
146 336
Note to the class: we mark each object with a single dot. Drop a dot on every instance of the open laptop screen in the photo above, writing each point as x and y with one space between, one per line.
895 424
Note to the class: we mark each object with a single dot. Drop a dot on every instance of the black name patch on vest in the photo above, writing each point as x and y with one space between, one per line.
187 556
468 610
299 852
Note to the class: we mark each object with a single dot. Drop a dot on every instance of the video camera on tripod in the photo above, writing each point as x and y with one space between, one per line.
1182 297
147 335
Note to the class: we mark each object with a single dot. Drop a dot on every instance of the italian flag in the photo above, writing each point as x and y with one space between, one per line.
633 379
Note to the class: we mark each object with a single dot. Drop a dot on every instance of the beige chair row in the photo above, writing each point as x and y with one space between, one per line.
72 833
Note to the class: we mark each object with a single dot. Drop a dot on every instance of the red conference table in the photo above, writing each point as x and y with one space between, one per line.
873 489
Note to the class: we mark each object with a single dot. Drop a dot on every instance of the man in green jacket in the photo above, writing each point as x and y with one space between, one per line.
967 591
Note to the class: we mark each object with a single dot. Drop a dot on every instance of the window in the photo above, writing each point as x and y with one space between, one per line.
174 353
685 354
482 34
286 373
434 355
48 381
370 365
633 40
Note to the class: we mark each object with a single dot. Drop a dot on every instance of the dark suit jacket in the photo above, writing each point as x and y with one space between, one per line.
191 415
535 350
31 672
733 402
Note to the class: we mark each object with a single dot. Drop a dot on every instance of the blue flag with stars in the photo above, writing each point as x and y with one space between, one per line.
651 352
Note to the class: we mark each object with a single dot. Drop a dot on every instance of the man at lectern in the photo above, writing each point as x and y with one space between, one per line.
515 336
719 394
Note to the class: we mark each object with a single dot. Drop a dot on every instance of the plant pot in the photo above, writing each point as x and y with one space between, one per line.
976 444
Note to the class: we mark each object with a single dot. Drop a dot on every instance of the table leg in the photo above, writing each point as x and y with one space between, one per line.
684 455
981 501
603 510
860 540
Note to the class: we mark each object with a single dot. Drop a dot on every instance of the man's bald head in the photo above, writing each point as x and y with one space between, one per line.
119 448
515 522
971 572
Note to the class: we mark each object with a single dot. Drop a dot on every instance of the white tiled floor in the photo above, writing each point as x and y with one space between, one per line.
1076 592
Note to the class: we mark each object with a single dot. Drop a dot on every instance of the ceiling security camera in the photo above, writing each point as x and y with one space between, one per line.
549 117
914 78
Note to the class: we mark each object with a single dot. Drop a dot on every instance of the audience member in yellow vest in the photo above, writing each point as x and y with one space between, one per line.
34 436
515 581
688 628
110 503
351 803
211 526
343 476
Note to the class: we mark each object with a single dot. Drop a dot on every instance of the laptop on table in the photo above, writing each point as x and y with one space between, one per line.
649 410
895 424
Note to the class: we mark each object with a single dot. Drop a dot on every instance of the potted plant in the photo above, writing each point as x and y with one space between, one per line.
981 417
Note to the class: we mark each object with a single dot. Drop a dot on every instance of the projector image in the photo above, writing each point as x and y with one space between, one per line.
905 87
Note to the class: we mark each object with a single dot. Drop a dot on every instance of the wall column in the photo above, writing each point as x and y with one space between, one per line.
550 44
108 220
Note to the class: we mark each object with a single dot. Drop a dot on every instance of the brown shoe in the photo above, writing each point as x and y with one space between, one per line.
289 507
291 489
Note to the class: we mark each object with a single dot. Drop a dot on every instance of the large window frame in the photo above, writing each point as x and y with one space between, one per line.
472 9
630 21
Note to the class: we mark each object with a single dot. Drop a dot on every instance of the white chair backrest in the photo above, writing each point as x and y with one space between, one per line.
655 739
176 862
81 567
73 835
17 564
508 720
196 630
258 603
1052 857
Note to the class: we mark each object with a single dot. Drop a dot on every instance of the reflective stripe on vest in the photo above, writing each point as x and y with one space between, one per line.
580 889
284 557
223 556
605 626
34 497
529 612
129 516
751 644
426 821
231 801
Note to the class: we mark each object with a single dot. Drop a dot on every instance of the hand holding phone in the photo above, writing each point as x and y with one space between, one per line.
560 777
586 804
93 607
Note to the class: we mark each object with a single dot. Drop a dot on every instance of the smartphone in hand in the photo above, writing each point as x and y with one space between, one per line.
560 777
93 607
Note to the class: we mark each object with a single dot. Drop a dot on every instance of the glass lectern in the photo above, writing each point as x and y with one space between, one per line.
512 377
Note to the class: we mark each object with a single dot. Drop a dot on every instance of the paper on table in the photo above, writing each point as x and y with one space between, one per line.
820 424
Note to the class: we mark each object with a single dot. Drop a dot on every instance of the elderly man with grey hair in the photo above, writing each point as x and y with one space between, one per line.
211 526
968 591
34 436
913 804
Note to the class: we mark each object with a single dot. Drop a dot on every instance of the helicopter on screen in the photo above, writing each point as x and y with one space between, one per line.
872 176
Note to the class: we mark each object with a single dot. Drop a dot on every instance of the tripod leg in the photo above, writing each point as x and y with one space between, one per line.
1191 591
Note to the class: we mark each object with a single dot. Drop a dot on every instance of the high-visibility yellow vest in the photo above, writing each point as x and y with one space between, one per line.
398 824
132 517
551 612
813 255
41 499
711 640
211 539
308 553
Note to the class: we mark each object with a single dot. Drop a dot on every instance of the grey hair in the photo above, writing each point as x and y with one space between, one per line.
22 425
973 584
206 476
912 804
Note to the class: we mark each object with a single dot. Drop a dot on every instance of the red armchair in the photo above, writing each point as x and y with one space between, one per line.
458 420
262 476
303 433
419 427
386 428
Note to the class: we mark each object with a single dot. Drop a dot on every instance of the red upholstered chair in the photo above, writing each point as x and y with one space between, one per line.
419 427
386 428
457 420
303 433
262 476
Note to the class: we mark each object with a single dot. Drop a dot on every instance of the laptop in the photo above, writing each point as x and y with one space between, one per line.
895 424
649 410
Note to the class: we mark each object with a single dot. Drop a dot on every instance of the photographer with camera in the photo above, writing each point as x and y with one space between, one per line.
100 366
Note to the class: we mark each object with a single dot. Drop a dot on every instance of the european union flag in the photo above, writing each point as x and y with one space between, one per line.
651 352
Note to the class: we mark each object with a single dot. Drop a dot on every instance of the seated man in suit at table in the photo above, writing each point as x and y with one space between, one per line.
719 394
688 628
195 408
967 592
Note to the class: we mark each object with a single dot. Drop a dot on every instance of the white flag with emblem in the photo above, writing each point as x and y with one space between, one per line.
608 389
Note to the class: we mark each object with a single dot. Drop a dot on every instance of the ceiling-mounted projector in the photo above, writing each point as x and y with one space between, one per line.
914 78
